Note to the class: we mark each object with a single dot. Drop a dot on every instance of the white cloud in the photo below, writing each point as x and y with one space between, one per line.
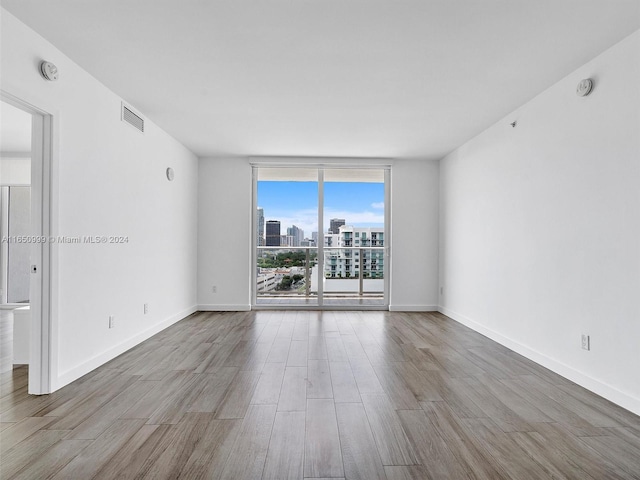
354 218
378 205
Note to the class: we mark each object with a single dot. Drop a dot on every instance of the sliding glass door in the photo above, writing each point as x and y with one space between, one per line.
286 222
320 237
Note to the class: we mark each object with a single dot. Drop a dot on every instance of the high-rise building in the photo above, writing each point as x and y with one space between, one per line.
297 234
260 226
273 233
341 262
335 224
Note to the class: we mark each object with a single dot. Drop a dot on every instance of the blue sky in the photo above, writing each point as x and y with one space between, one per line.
296 203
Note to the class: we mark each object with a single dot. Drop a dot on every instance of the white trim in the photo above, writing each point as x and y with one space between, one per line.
324 308
320 240
320 162
607 391
4 247
4 154
224 308
387 238
253 273
413 308
102 358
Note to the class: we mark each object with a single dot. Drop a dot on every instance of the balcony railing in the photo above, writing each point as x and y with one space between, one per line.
288 272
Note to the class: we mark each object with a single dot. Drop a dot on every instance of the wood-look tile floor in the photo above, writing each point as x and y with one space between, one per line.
286 394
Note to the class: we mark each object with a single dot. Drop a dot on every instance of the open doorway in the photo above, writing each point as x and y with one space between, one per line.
25 248
15 205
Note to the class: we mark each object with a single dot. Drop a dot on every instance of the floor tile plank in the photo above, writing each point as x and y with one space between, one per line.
392 442
210 455
298 353
285 458
319 379
90 460
293 396
432 450
323 456
52 460
359 452
248 455
236 401
269 384
345 389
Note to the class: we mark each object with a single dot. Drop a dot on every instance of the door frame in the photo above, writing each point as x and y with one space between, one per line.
321 164
43 345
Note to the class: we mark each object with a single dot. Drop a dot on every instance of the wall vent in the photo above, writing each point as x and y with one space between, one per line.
132 118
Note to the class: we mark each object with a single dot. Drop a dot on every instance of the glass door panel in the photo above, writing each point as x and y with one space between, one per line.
286 229
354 238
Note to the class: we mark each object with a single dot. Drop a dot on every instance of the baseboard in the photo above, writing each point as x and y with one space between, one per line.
413 308
102 358
224 308
604 390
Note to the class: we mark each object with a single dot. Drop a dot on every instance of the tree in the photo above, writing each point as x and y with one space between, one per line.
287 259
285 283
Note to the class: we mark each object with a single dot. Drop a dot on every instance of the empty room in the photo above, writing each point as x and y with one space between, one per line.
320 239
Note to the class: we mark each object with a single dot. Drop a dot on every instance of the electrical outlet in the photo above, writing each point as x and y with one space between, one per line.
586 343
214 289
146 308
112 321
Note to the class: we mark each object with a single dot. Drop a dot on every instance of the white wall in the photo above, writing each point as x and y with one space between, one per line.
224 235
109 179
414 226
540 228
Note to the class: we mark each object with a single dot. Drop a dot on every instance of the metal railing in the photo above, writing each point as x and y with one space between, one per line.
272 266
288 271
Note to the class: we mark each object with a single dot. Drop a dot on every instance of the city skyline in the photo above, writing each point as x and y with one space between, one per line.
296 203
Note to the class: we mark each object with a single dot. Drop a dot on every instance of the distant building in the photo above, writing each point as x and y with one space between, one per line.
344 262
260 226
297 234
286 241
335 224
273 233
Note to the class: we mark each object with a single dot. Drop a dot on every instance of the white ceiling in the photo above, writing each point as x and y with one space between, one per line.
412 79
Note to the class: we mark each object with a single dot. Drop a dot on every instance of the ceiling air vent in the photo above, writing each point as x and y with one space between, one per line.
132 118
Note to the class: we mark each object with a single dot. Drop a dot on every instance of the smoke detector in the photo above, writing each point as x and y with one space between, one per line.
584 87
49 71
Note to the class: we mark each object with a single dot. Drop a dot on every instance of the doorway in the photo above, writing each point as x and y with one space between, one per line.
25 251
321 237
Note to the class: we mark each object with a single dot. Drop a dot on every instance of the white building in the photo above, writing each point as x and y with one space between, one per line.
343 262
